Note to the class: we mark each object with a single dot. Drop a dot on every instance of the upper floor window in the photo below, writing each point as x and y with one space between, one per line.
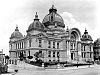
71 45
58 54
53 53
22 44
16 46
49 44
11 46
90 47
57 45
49 53
40 43
30 42
53 44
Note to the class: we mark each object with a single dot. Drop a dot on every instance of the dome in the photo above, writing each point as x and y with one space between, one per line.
36 24
86 36
97 42
16 34
53 17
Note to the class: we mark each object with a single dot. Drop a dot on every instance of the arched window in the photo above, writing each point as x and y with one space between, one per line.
49 44
57 45
53 44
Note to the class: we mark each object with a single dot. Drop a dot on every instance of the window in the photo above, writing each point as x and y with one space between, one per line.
30 42
16 54
16 46
57 45
71 46
84 48
90 48
53 53
29 53
40 43
53 44
74 45
82 55
58 54
49 60
11 46
49 53
90 55
20 45
49 44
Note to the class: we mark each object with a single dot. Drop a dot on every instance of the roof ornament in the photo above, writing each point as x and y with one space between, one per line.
36 17
16 28
53 9
85 31
67 30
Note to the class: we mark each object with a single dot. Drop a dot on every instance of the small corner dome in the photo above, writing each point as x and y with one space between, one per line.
36 24
16 34
53 16
86 36
97 42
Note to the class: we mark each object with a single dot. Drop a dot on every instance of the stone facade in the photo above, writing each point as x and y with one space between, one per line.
52 40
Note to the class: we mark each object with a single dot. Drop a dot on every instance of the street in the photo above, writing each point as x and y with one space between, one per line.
26 69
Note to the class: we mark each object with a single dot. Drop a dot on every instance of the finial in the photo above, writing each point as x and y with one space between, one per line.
85 31
52 9
67 30
16 28
52 5
36 17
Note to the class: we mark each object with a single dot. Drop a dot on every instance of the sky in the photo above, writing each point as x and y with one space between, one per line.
75 13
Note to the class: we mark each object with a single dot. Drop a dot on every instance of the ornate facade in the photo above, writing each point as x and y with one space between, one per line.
52 40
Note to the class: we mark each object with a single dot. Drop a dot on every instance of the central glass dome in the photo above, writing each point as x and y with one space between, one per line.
53 17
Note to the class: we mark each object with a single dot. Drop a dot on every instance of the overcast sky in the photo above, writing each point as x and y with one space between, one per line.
76 13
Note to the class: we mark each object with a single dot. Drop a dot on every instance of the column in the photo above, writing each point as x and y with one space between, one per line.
68 51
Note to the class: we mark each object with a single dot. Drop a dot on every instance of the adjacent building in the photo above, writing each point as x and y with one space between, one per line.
96 49
2 57
52 40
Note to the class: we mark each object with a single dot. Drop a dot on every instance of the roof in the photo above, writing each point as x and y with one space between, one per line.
16 34
36 24
53 17
86 36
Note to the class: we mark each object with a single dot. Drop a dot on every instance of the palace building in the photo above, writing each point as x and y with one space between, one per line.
53 41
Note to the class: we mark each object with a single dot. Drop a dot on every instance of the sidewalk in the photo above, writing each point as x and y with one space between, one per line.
74 67
27 68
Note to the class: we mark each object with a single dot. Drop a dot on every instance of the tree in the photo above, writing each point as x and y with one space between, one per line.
38 55
6 58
